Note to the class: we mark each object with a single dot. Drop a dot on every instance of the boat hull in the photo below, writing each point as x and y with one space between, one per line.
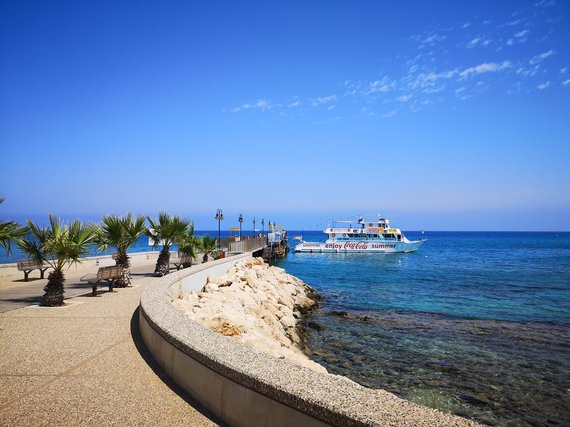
361 246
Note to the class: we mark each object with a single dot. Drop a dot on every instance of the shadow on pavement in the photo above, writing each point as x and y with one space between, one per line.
141 348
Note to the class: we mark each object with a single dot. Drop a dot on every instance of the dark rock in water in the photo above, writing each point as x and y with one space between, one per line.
343 314
339 344
479 400
487 421
316 326
364 318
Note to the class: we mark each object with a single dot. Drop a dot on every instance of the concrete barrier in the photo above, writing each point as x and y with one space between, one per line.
246 387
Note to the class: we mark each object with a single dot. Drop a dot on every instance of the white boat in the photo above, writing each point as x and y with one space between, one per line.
367 236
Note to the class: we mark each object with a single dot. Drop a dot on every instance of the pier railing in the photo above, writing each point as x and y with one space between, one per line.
248 245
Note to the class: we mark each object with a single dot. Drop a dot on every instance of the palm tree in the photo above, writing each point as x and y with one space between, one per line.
59 246
208 246
10 231
165 232
187 243
121 233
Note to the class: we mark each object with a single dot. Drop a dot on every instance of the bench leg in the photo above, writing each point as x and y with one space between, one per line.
42 271
111 282
94 291
26 274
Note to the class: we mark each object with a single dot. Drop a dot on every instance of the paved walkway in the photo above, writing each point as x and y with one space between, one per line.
85 364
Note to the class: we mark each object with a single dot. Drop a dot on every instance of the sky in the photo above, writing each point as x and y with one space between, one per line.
440 115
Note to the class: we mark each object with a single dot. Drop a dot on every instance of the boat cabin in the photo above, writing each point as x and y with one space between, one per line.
365 230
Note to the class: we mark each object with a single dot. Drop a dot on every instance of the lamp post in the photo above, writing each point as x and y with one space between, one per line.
219 217
240 219
253 226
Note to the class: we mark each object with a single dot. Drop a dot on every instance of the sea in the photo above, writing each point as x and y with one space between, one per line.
475 324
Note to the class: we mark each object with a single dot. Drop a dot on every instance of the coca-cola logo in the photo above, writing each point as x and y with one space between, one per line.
356 245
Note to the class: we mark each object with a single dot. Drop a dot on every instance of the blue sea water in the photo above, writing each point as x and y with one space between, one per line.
500 276
477 324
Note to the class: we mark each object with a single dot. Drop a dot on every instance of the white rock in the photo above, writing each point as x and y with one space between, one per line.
256 304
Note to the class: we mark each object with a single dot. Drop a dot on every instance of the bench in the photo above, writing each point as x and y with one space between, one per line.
181 260
28 265
108 274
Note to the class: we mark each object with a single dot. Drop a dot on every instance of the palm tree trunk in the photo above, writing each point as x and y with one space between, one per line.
163 262
53 296
125 279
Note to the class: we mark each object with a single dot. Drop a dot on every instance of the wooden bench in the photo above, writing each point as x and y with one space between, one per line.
28 265
181 260
108 274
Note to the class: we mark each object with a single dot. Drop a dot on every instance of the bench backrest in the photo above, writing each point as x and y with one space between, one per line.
112 272
28 264
185 259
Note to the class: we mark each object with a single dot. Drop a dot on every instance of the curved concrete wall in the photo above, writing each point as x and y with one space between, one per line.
246 387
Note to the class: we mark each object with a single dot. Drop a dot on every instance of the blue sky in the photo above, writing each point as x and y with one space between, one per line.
441 115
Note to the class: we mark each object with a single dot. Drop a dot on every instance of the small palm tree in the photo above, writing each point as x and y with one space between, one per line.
10 231
121 233
208 246
165 232
187 244
59 246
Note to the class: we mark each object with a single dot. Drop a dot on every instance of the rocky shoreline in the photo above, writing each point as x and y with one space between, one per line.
259 305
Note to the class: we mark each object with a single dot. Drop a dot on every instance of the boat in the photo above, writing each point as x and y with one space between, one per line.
368 236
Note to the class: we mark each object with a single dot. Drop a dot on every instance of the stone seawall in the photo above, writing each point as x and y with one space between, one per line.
244 386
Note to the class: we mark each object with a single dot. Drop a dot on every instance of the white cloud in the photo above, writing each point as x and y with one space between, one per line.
474 42
563 70
293 104
566 82
424 80
260 104
404 98
539 58
528 72
544 3
332 107
513 23
466 25
322 100
382 86
522 33
543 85
390 114
435 89
484 68
478 41
433 38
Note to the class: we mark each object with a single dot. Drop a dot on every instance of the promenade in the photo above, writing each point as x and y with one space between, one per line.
83 363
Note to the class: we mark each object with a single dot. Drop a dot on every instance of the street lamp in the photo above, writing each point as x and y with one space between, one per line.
253 226
240 219
219 217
